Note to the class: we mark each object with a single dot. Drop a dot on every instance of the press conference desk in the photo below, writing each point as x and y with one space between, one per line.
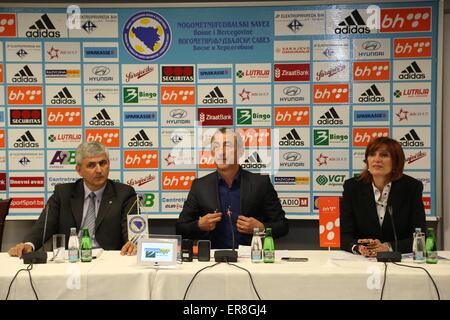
327 275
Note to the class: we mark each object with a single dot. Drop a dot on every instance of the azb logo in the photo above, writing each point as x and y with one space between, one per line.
63 158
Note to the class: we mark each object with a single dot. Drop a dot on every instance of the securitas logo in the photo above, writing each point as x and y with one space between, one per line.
362 136
177 95
140 159
24 95
331 93
292 116
26 141
214 73
177 180
8 25
43 28
109 137
215 116
412 47
352 24
177 74
63 97
25 75
405 20
371 71
291 139
64 116
411 139
147 36
25 117
292 72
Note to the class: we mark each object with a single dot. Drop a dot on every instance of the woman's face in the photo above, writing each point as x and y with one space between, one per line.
379 163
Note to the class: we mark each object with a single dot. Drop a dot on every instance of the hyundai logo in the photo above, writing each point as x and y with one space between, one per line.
292 91
292 156
178 113
371 45
100 70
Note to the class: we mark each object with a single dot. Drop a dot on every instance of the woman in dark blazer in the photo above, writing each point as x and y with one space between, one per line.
366 227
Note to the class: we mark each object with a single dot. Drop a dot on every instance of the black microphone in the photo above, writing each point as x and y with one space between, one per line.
394 256
227 255
39 256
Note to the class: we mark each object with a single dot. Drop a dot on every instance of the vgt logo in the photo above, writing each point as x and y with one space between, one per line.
331 93
141 159
64 117
178 95
177 180
362 136
412 47
108 137
291 116
372 71
406 20
24 94
206 160
7 25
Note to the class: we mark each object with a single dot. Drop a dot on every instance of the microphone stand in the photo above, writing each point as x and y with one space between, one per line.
389 256
227 255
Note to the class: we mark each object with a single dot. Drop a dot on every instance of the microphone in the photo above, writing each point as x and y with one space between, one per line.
394 256
227 255
39 256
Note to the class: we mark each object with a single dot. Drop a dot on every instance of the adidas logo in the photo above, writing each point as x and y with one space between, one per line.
24 76
21 53
291 139
101 119
26 141
89 26
253 162
352 24
412 72
43 28
140 140
330 117
411 139
371 95
215 96
63 97
99 97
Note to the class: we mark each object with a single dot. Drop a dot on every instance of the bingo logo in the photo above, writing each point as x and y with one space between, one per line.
177 180
109 137
64 117
412 47
140 159
178 95
24 94
406 20
147 36
331 93
362 136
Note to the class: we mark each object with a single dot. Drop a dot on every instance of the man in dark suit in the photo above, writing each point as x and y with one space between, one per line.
93 202
248 199
366 225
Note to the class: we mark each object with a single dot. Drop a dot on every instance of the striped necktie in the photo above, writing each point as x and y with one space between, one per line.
89 221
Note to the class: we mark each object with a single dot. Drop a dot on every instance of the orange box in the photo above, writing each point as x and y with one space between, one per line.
371 70
8 25
64 117
362 136
177 180
140 159
329 224
292 116
109 137
256 137
412 47
205 160
2 138
405 19
175 95
24 94
331 93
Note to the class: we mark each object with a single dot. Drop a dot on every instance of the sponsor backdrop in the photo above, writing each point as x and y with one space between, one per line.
307 86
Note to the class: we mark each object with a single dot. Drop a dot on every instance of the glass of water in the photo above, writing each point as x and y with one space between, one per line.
59 247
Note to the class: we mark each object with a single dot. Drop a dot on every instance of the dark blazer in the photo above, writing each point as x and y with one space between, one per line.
258 199
65 211
359 218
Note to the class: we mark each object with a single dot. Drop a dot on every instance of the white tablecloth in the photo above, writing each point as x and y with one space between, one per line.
327 275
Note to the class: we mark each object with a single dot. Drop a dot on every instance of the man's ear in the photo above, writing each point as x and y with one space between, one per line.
78 168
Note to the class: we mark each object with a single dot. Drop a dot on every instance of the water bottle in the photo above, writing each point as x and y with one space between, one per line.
74 246
86 246
256 247
419 246
269 247
431 247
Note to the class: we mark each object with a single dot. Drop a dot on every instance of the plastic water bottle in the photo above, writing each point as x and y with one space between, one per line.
256 247
419 246
269 247
74 246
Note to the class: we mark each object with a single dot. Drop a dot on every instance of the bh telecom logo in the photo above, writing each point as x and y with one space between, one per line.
147 36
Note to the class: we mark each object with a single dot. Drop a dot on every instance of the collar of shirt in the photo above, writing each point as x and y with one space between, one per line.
236 179
98 193
381 197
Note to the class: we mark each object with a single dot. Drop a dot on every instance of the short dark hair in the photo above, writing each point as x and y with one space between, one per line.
395 151
238 137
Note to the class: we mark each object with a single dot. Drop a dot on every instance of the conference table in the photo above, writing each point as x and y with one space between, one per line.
326 275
